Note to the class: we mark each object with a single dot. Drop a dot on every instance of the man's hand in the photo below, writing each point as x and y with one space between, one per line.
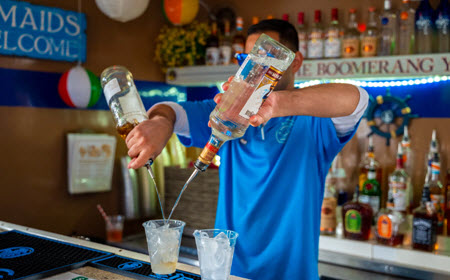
148 139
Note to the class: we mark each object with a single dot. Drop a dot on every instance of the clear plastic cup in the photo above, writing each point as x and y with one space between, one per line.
215 249
114 228
163 240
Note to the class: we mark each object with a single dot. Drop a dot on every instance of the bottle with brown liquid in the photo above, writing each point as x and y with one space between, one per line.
123 99
357 218
424 223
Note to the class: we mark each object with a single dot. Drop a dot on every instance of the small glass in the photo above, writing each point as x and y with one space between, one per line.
163 240
215 248
114 228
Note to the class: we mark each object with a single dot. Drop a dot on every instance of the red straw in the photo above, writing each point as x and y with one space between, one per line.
105 217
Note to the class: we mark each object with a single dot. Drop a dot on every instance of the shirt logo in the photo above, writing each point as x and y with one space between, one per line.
284 131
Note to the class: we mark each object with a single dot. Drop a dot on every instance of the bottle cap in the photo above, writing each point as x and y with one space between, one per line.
334 14
317 16
301 18
372 9
352 11
285 17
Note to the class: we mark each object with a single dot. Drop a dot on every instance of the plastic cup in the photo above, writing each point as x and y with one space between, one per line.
163 240
215 248
114 228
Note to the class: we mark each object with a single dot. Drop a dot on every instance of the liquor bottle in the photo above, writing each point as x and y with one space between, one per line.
302 34
406 32
367 162
442 23
400 189
434 149
388 31
371 191
357 218
238 39
350 42
315 38
253 82
424 27
212 46
391 227
226 45
437 192
285 17
424 223
333 37
408 159
329 204
340 181
447 208
370 36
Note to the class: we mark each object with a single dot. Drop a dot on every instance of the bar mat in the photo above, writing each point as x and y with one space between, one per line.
138 269
26 256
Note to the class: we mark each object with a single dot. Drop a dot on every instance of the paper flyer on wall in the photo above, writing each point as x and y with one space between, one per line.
90 162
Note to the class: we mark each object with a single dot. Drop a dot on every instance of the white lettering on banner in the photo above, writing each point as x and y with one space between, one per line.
432 64
41 32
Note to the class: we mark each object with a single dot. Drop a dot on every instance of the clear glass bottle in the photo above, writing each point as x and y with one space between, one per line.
333 37
408 155
400 189
212 46
406 32
388 31
350 41
315 38
122 98
253 82
391 227
357 218
238 39
442 23
226 45
437 192
302 34
329 204
369 38
368 161
425 220
424 28
371 191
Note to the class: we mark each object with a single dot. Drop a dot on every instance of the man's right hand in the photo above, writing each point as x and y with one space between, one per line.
148 139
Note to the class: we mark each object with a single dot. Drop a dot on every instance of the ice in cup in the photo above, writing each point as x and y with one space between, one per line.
215 248
163 240
114 228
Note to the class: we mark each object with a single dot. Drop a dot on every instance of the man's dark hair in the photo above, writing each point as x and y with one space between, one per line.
288 33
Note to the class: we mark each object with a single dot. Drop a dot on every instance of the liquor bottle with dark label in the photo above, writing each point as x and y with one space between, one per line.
350 42
406 32
400 189
357 218
369 38
238 39
315 37
388 30
424 223
302 34
333 42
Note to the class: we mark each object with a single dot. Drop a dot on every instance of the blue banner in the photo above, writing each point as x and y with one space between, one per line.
41 32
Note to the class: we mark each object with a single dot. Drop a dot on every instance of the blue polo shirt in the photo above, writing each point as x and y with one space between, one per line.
271 191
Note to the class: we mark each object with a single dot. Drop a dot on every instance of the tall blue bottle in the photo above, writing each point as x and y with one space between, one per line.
424 27
442 23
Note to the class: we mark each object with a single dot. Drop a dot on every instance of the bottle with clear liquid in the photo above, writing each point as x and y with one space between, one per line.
226 45
424 28
350 42
400 188
333 37
302 34
368 162
254 81
388 31
369 39
406 32
315 37
442 23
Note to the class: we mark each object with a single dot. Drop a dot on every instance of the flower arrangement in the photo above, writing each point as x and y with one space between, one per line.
181 46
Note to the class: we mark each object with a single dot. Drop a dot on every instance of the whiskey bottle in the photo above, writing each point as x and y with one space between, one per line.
357 218
350 42
391 227
329 204
424 223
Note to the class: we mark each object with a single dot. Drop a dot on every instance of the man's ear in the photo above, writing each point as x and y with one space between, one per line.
297 63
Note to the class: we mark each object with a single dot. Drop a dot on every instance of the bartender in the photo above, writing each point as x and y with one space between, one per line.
272 179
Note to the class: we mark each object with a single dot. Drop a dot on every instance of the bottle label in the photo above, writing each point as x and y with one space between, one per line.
368 46
302 47
315 45
442 23
373 201
210 150
212 56
111 88
350 47
384 227
263 90
328 214
435 167
423 231
397 195
438 201
225 55
332 44
353 221
423 24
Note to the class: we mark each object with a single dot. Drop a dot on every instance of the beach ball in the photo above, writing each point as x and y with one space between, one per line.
122 10
79 88
180 12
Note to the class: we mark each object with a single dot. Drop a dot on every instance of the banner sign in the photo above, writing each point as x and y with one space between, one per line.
376 67
41 32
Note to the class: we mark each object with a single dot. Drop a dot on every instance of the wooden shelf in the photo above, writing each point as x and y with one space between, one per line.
365 68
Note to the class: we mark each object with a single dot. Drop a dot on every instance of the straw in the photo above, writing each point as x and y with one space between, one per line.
105 217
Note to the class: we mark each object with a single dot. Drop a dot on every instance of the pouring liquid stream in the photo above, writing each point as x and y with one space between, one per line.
150 171
193 175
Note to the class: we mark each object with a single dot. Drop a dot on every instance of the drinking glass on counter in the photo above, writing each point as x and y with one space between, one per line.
163 240
215 249
114 228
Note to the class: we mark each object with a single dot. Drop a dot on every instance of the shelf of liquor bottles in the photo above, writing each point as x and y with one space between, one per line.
371 69
401 256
